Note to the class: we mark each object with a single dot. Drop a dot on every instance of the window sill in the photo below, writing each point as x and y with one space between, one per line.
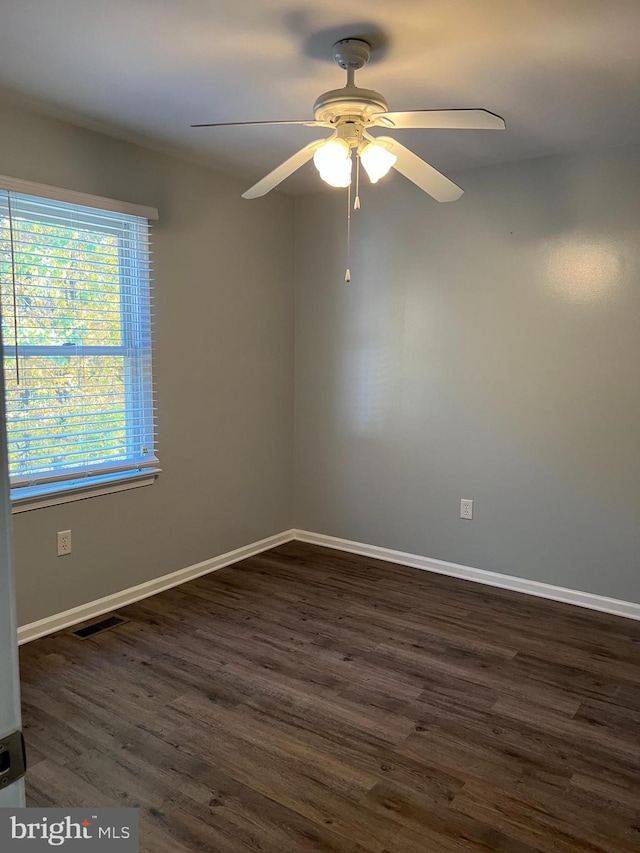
38 497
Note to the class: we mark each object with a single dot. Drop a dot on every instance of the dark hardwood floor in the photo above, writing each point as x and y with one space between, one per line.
308 699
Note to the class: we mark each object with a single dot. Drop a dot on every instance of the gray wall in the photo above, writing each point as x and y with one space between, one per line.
485 349
223 369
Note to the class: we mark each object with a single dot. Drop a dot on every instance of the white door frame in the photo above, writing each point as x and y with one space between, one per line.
10 719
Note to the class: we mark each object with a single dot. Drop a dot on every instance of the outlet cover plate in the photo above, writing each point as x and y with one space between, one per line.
64 542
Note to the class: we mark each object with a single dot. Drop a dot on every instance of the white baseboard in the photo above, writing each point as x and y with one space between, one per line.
542 590
58 621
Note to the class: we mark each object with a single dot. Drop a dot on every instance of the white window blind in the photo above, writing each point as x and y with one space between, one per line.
76 330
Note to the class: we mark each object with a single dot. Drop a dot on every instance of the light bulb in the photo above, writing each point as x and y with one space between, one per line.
333 161
339 175
377 161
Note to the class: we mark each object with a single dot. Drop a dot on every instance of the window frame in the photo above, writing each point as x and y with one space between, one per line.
71 484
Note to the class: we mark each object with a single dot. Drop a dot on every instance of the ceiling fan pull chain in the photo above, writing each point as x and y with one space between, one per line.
356 203
347 275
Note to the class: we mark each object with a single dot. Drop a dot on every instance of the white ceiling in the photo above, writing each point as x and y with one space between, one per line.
565 74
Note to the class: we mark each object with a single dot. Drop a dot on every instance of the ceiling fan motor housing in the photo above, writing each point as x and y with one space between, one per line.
349 103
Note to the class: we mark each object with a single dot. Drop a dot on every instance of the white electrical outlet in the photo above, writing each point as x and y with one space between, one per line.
466 508
64 542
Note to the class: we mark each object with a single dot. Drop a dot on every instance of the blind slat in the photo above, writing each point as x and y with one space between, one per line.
27 353
92 425
44 246
108 448
109 426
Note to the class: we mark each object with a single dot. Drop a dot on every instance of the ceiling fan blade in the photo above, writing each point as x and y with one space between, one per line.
271 181
420 173
308 123
447 119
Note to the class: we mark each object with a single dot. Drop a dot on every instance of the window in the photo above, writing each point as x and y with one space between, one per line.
76 330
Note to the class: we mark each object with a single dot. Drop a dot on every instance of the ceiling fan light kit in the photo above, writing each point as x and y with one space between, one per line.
377 160
333 162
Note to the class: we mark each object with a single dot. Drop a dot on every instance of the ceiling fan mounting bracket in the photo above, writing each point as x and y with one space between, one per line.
351 53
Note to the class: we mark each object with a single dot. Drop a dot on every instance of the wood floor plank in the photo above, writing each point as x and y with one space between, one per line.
259 823
312 700
291 784
549 825
448 832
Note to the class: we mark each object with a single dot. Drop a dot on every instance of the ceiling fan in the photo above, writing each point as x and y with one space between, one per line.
351 112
